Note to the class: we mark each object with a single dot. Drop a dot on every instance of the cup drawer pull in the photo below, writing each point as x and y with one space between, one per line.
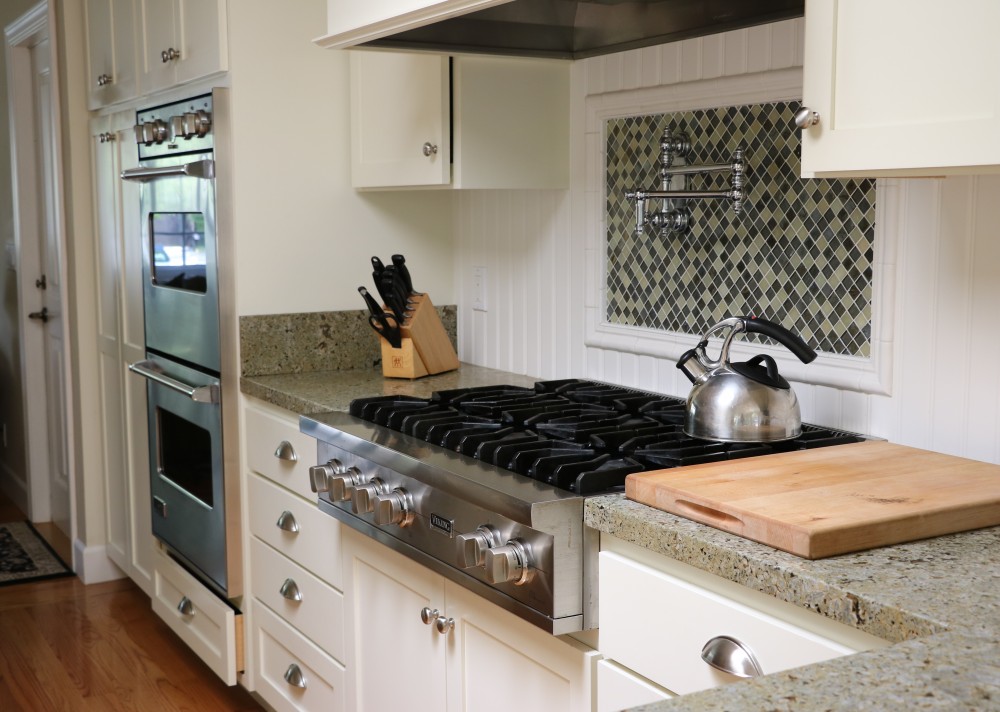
294 676
290 590
286 452
286 522
730 655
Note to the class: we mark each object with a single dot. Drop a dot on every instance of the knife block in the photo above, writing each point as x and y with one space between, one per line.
425 349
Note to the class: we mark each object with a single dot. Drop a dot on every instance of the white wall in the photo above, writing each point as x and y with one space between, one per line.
945 392
304 236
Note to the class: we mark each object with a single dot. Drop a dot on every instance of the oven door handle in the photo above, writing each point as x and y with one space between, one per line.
199 394
196 169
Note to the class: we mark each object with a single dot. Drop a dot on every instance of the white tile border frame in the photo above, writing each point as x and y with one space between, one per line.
866 375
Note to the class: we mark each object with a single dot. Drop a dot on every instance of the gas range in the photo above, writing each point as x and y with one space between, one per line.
486 485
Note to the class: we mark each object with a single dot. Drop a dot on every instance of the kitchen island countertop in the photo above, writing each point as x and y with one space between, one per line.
938 600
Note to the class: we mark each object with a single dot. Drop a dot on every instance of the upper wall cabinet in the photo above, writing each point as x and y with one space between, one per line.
350 22
421 120
181 40
111 59
901 87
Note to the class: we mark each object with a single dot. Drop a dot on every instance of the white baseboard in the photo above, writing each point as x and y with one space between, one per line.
92 565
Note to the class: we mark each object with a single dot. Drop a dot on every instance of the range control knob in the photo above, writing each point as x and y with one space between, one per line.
319 474
507 563
363 495
396 507
340 486
197 123
472 547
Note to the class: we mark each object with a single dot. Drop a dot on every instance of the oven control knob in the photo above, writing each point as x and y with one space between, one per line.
197 124
472 547
363 496
395 507
319 474
340 485
507 563
155 131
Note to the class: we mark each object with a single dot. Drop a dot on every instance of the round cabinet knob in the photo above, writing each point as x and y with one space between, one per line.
169 55
472 547
430 149
507 563
319 474
429 615
806 117
363 496
395 507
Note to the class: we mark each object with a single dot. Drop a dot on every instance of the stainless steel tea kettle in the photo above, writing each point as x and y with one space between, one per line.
747 401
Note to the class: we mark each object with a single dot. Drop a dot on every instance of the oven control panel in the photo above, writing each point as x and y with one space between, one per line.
176 128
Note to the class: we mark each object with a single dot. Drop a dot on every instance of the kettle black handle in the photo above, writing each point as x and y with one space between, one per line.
782 335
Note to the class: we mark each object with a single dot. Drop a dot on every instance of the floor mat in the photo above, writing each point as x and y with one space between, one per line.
25 556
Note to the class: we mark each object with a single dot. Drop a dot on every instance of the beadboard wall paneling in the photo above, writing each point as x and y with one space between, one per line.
945 391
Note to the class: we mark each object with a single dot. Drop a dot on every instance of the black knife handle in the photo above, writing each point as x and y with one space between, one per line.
404 273
377 266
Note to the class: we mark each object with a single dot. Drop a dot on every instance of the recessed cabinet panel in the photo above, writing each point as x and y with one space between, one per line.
111 57
505 125
399 120
182 40
901 88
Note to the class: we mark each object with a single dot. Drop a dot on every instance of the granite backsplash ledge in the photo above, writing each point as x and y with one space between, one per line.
272 344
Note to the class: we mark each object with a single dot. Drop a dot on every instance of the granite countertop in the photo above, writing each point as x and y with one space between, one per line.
937 600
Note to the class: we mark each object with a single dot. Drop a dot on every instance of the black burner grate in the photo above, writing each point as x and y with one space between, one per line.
578 435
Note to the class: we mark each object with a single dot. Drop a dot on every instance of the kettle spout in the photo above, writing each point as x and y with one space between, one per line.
690 365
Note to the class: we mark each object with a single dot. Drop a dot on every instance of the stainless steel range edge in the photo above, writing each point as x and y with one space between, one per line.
515 542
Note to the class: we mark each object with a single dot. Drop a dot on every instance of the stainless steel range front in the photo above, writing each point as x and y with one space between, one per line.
486 485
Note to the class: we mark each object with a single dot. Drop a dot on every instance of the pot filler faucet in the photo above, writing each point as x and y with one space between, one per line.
673 215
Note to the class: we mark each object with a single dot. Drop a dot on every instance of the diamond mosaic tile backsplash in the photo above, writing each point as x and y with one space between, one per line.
800 253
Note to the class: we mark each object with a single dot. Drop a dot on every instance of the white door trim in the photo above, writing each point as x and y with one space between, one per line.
20 36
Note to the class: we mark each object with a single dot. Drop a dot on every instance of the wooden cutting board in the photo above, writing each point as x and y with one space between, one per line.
832 500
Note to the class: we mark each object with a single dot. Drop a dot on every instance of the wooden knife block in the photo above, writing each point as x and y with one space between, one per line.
425 348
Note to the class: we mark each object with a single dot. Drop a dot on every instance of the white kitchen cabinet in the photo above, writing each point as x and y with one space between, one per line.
180 41
424 120
656 615
120 338
619 688
111 57
901 87
297 608
350 22
479 658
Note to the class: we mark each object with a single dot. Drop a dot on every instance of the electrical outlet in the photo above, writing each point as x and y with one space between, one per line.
479 288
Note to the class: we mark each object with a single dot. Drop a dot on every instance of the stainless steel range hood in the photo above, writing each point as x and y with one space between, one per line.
571 29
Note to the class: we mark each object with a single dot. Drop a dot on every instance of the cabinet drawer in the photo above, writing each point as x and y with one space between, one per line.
319 612
277 647
266 432
316 544
657 624
208 625
619 688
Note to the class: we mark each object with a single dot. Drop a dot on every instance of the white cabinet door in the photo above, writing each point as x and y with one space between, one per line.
400 121
350 22
111 59
394 661
498 657
505 124
107 226
902 87
120 341
182 40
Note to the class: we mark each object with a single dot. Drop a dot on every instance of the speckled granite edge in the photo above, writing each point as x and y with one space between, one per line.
838 588
948 671
316 341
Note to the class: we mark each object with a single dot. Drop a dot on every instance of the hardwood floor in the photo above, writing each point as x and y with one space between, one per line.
66 646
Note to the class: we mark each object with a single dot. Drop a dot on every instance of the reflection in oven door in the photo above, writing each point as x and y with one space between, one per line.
186 462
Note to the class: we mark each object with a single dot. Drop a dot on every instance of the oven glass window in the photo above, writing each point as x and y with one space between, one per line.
178 250
186 455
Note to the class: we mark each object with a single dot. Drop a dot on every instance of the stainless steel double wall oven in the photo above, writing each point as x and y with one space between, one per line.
194 499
